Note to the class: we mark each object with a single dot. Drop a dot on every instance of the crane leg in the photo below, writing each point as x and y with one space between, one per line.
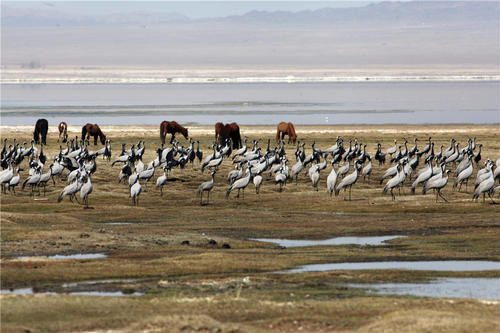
350 189
439 192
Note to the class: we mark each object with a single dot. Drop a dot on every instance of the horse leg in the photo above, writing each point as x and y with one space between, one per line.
95 140
172 138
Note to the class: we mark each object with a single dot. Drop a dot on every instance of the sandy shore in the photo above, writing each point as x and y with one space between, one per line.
271 129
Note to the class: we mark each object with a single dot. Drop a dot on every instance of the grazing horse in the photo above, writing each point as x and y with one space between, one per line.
286 129
93 130
63 131
228 131
232 131
171 127
41 128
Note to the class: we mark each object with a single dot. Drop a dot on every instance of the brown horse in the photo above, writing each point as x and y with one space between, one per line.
228 131
286 129
63 131
93 130
171 127
219 131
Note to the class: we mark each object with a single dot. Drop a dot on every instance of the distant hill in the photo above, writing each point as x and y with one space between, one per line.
410 12
418 34
51 17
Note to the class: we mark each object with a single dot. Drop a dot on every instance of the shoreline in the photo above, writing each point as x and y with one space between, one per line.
271 129
98 75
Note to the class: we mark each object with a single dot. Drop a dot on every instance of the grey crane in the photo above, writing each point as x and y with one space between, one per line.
464 176
331 181
280 178
240 184
135 191
296 169
394 182
86 190
33 180
486 186
206 187
314 175
146 175
257 181
44 178
423 176
367 169
349 181
437 184
162 181
14 181
70 190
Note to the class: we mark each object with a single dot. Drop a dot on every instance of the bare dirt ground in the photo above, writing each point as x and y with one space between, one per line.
198 269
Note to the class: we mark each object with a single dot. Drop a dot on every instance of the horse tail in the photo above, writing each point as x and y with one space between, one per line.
84 132
292 133
162 133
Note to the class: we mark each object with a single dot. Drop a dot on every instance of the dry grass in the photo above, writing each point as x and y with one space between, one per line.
204 280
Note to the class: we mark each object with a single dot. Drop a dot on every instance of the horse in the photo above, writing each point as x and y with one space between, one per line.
219 131
63 131
41 128
286 129
171 127
228 131
93 130
232 131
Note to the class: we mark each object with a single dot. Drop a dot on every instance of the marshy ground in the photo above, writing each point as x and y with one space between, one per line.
198 269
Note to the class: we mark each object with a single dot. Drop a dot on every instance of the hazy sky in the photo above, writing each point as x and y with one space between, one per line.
192 9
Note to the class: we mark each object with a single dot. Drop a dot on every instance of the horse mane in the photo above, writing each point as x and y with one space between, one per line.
179 128
100 133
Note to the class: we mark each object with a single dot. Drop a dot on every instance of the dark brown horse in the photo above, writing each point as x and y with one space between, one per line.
219 131
228 131
41 128
286 129
63 131
93 130
171 127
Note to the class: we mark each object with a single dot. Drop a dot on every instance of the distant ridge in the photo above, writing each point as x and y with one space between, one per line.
411 12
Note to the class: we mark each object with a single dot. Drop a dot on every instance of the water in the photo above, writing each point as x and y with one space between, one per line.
118 223
446 265
69 256
253 103
480 288
29 291
378 240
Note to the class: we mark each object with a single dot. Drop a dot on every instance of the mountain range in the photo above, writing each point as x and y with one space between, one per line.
410 12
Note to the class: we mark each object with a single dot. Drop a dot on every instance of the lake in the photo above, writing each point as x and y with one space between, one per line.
320 103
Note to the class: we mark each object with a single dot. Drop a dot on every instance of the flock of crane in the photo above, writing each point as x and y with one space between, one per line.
348 161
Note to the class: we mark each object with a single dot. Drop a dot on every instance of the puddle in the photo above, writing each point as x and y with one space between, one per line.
22 291
29 291
93 283
118 223
69 256
447 265
377 240
105 293
479 288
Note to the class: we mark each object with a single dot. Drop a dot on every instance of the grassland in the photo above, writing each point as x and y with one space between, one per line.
207 286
